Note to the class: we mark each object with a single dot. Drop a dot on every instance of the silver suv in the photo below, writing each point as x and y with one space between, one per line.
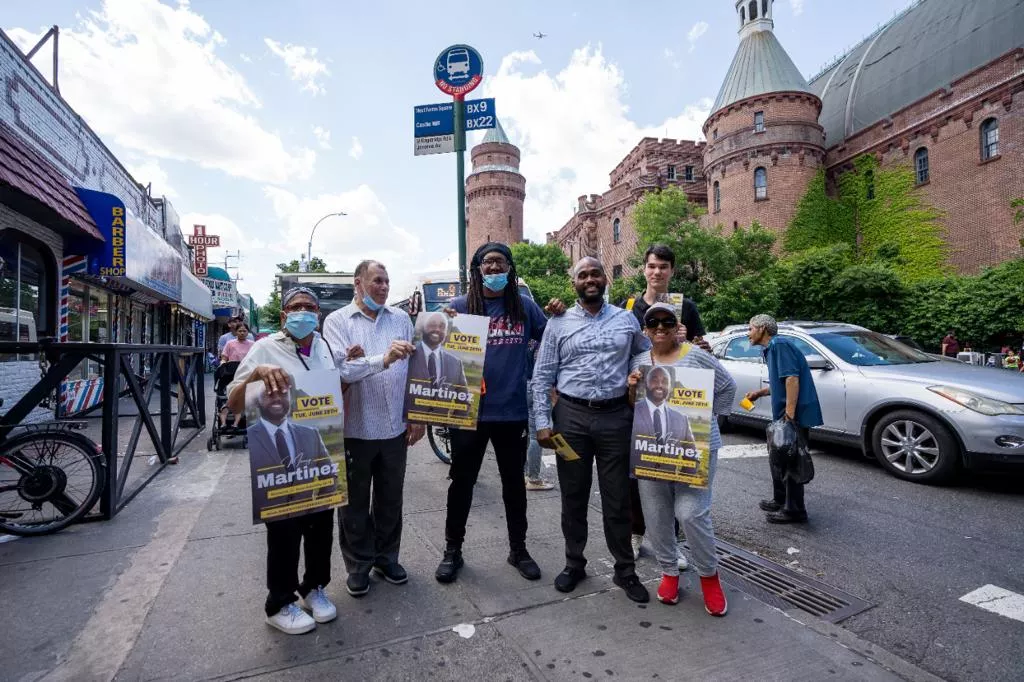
921 417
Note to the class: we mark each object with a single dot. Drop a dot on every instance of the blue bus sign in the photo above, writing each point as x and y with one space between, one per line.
458 70
439 119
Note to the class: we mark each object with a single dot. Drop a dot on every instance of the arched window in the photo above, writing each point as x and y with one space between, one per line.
760 183
921 165
743 15
764 8
869 182
753 9
989 139
28 280
616 233
717 192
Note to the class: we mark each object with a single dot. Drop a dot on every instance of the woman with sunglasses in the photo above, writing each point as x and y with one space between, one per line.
664 502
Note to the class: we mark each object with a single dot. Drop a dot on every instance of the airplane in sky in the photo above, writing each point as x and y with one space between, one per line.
539 35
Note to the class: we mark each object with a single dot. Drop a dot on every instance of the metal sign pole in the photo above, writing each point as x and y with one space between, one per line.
460 165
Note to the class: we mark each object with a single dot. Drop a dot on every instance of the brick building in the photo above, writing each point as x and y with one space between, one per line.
495 191
938 90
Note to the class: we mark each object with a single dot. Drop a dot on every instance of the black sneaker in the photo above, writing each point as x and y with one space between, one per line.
525 564
357 584
448 569
392 571
783 516
569 578
769 505
633 588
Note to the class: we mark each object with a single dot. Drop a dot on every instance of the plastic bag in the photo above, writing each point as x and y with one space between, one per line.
782 443
802 467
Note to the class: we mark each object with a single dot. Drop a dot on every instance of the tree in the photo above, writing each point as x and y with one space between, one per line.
545 268
271 312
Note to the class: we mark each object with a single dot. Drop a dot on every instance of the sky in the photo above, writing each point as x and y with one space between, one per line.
256 117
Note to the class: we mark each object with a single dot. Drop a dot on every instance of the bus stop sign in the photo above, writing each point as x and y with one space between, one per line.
458 70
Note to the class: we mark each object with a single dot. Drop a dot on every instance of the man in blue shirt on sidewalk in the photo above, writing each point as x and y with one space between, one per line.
794 398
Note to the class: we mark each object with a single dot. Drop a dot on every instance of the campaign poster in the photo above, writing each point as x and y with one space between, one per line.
672 425
296 446
446 370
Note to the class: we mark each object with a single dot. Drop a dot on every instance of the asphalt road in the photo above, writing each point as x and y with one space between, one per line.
911 550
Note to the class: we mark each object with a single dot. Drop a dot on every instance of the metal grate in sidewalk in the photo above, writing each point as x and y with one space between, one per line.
784 588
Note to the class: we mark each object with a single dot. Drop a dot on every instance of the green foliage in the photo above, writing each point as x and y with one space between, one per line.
270 314
879 214
546 270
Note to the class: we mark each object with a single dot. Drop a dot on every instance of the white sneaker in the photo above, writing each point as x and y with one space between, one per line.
291 620
322 608
538 484
681 558
637 541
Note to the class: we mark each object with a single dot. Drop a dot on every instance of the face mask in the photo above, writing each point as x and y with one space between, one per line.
301 324
371 304
496 282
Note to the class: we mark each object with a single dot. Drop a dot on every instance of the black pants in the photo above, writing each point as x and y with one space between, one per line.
786 491
468 447
601 435
315 532
370 526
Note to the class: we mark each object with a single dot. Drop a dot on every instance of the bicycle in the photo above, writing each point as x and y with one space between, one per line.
33 477
441 442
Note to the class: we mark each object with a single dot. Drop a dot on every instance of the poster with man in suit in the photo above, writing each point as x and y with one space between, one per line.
446 370
296 446
672 425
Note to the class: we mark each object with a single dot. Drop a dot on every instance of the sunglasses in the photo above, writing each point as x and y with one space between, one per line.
666 322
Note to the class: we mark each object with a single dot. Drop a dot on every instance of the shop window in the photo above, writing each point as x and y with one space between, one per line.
671 173
989 139
758 121
760 183
616 272
921 165
616 231
688 173
717 192
28 274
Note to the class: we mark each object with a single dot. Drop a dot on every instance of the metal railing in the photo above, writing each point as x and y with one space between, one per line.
175 372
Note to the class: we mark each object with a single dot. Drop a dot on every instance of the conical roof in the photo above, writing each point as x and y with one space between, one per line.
760 66
496 134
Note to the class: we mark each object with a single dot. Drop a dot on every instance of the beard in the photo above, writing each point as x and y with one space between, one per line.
593 297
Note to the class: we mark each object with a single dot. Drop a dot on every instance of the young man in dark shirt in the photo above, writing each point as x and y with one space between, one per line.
659 266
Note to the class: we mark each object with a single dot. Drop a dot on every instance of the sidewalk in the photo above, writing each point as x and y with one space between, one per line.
172 589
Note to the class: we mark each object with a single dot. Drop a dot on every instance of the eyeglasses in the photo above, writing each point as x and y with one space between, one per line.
301 307
666 322
494 262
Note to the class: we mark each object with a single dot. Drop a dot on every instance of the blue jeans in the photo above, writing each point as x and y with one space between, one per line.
533 450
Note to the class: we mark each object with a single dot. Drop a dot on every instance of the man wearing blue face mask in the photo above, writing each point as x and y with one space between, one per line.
515 320
296 348
371 341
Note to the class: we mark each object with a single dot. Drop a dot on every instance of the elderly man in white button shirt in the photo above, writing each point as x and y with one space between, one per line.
371 342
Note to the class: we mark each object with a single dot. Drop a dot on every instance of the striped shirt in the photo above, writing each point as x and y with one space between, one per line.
585 356
375 398
725 386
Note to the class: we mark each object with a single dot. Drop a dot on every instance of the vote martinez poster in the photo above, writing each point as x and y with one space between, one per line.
447 369
296 446
672 425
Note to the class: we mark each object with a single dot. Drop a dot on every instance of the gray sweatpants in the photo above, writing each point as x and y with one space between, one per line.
663 503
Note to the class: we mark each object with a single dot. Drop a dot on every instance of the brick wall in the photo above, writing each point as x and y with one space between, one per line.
494 198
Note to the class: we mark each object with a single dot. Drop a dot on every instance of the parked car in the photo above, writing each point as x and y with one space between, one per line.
922 418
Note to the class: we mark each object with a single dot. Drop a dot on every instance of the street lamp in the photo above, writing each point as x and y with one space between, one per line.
309 249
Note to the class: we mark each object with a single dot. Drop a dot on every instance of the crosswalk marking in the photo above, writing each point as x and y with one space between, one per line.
997 600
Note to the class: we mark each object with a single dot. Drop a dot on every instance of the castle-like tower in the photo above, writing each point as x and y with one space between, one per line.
764 143
495 192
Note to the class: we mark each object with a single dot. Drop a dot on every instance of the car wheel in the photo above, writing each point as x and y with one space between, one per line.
915 447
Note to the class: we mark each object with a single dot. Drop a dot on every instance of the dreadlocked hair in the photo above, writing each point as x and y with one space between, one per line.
513 300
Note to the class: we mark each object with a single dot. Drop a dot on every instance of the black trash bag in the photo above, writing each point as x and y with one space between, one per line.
782 443
801 469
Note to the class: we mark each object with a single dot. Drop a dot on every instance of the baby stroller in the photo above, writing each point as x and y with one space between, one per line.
223 376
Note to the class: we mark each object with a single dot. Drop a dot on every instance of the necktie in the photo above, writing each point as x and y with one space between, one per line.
282 449
657 425
432 368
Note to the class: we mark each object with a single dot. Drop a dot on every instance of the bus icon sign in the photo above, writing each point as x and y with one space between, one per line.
458 70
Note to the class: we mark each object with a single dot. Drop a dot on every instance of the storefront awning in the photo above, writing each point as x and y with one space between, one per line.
195 296
132 254
34 187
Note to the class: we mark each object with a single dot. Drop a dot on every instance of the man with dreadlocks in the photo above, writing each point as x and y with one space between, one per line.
502 420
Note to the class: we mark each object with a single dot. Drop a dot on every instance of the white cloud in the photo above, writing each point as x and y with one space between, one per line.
245 58
670 57
696 31
573 127
177 98
367 231
303 66
797 6
148 171
356 150
323 137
